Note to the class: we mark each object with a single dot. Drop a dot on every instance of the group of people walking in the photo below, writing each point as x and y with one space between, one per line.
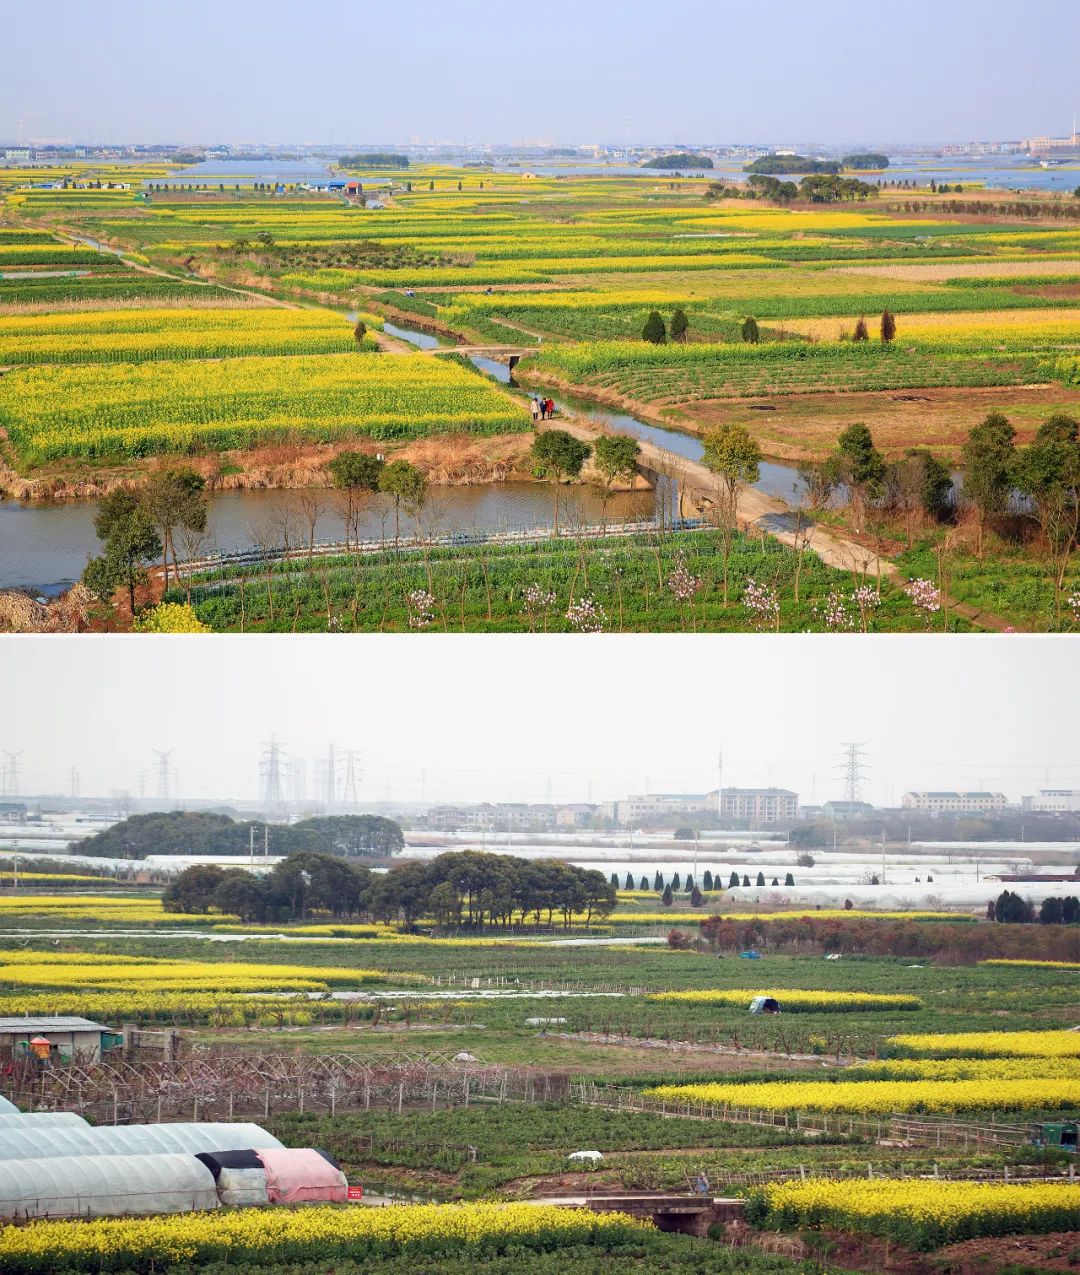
543 409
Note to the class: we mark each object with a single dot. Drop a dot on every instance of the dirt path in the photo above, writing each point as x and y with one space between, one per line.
517 327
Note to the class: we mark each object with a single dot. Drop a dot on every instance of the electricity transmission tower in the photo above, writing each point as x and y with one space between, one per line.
330 777
350 796
853 770
270 770
165 773
296 775
11 774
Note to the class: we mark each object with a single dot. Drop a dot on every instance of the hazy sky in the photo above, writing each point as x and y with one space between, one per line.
490 717
562 70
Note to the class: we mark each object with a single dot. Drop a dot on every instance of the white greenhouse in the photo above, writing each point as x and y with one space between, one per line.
105 1186
45 1141
7 1108
13 1119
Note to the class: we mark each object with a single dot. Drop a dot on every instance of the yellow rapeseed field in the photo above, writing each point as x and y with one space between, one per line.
24 969
795 999
1022 1044
298 1235
880 1097
966 1069
924 1214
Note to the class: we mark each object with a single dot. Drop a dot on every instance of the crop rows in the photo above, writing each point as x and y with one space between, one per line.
923 1215
135 335
131 409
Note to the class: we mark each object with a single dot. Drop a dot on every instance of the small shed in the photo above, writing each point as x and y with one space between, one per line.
764 1005
62 1038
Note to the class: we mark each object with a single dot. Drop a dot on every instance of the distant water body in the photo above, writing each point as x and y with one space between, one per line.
1004 173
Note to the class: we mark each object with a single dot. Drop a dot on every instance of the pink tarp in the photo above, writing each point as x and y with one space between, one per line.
296 1176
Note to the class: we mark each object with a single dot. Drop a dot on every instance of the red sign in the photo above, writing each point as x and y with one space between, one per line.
355 1192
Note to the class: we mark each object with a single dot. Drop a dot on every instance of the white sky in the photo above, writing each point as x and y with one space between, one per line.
488 717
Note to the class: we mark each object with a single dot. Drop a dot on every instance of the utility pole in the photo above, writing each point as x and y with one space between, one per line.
251 845
73 781
720 788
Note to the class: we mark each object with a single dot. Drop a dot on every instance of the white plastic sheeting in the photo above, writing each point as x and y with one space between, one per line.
105 1186
7 1108
243 1187
45 1142
10 1120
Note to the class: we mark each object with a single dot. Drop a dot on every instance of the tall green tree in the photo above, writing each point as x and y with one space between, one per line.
1048 473
751 334
989 458
405 485
680 325
888 326
175 498
615 456
919 484
654 330
860 467
733 456
356 475
558 457
130 541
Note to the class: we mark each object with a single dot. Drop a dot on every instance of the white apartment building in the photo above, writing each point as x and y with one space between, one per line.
1054 801
760 805
966 803
659 805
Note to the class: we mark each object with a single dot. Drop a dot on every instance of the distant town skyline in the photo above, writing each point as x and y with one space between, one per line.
330 72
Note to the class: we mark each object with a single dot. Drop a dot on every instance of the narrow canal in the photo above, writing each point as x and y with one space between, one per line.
44 547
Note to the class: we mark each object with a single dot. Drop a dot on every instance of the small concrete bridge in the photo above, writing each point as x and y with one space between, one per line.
513 352
687 1214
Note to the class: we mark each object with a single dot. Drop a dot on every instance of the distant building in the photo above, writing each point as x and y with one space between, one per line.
1053 145
61 1038
760 805
648 807
1047 801
576 815
846 809
966 803
21 153
12 812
